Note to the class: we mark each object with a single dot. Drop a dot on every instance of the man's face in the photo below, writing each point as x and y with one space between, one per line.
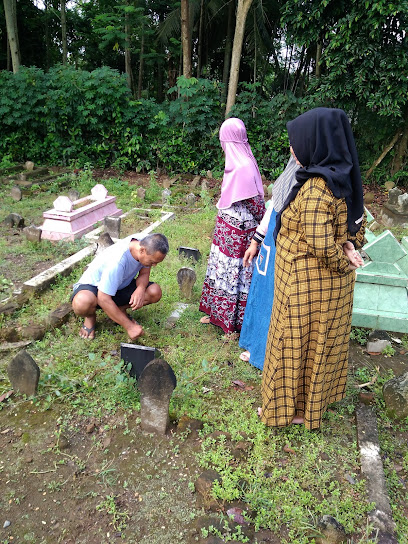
152 259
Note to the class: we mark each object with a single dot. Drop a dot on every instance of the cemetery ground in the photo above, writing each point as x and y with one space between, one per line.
75 466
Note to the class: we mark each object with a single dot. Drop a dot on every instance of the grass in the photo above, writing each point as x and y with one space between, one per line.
287 478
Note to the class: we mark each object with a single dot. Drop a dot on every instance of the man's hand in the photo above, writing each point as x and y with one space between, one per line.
250 253
134 330
137 299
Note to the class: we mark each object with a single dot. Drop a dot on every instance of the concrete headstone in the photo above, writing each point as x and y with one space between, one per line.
156 385
73 195
63 204
209 174
16 193
14 220
186 278
141 193
29 165
112 226
395 393
99 192
195 182
104 241
166 196
190 199
33 233
377 341
393 195
24 373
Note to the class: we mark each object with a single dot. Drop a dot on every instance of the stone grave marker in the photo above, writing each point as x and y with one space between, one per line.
186 278
103 242
141 193
195 182
204 185
14 220
16 193
209 174
190 199
166 196
395 210
138 357
33 233
156 385
73 195
189 252
29 165
24 373
112 226
395 393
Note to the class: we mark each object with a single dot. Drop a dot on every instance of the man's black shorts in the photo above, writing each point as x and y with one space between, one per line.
121 298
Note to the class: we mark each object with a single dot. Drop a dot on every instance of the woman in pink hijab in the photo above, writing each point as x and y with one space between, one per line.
240 209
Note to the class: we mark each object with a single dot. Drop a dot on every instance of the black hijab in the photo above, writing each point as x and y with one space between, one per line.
323 143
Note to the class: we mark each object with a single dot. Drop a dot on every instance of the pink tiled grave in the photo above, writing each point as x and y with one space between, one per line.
71 220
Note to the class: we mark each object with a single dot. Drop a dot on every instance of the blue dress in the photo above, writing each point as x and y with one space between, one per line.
258 309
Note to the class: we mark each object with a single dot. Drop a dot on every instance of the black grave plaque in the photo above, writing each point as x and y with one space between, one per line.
189 252
138 357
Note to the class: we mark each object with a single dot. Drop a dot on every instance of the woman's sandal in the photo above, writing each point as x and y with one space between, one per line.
245 355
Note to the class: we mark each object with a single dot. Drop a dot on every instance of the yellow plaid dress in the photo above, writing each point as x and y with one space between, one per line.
307 349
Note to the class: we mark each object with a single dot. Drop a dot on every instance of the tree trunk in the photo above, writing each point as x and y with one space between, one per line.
64 33
185 38
128 56
140 79
12 33
228 48
383 154
242 12
401 148
318 57
200 40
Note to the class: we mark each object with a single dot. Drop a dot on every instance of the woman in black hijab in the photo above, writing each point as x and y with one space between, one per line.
318 229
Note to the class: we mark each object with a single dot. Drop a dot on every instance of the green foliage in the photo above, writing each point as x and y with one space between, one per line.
359 335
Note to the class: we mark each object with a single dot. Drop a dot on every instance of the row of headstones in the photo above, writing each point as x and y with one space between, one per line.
155 379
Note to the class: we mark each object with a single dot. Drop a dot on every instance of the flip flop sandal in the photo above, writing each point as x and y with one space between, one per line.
245 355
88 330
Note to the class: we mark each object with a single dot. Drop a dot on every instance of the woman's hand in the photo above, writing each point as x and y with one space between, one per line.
352 255
250 253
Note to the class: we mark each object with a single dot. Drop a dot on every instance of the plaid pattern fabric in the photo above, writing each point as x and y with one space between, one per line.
307 349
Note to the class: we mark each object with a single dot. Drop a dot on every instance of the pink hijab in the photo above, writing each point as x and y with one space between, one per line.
241 179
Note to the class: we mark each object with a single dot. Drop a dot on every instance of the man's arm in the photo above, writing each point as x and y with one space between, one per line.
113 311
137 299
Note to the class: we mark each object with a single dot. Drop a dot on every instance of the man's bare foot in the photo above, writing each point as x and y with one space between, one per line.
297 420
88 328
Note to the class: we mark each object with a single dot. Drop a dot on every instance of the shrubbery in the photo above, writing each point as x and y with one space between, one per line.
68 116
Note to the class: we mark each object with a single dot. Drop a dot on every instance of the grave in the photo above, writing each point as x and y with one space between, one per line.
395 210
381 290
138 357
70 220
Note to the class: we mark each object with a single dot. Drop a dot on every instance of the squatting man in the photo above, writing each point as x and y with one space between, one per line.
117 279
